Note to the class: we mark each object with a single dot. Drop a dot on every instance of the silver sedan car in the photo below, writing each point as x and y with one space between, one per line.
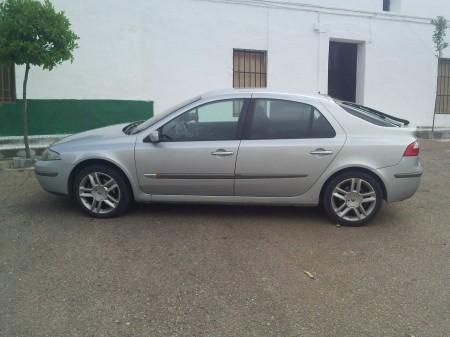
239 147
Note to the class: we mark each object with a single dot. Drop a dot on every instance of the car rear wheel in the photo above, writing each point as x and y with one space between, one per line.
352 198
102 191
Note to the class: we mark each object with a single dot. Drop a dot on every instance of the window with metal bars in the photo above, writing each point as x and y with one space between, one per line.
443 87
249 68
7 83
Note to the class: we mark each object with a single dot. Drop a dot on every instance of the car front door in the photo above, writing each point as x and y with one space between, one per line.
286 146
196 153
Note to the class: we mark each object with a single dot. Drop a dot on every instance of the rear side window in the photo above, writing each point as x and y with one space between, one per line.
280 119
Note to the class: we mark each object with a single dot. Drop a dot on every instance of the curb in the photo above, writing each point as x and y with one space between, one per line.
428 134
12 146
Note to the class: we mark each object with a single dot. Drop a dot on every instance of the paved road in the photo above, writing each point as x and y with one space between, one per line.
170 270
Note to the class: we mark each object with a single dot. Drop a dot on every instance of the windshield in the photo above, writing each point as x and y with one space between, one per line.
160 116
371 115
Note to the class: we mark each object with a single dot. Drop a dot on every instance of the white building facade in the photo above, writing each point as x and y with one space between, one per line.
380 53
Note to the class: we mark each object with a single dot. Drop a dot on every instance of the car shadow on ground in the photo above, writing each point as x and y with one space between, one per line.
58 206
223 211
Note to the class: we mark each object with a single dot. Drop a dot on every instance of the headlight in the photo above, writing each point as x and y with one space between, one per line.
50 154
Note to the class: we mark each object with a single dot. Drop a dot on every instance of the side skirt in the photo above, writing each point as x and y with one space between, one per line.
280 201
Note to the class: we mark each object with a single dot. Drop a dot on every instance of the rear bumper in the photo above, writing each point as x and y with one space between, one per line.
402 180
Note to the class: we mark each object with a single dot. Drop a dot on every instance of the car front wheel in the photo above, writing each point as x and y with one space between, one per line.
352 198
102 191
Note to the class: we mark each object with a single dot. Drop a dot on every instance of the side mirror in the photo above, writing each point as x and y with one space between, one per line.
193 116
153 137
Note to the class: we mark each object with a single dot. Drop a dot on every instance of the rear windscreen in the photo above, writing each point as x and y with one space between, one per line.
368 115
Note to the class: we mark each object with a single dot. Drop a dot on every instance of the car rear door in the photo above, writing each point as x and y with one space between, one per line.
286 146
197 151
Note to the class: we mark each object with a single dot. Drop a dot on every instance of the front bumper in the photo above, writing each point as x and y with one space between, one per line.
402 180
53 175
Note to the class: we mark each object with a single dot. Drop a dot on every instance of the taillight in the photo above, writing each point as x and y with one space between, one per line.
412 150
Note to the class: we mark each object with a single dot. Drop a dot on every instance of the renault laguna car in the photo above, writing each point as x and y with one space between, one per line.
242 147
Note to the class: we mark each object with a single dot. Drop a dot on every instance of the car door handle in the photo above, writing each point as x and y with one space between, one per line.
222 153
321 152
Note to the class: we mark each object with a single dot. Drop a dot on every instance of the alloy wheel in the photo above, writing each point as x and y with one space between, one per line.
353 199
99 192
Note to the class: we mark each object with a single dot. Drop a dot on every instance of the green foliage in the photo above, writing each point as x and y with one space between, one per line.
440 31
32 32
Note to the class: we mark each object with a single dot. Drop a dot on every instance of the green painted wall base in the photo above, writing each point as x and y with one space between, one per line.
47 117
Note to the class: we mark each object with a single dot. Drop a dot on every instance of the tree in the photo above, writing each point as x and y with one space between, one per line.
33 33
440 32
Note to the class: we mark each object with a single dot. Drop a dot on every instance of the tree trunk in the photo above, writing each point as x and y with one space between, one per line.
435 101
434 118
25 112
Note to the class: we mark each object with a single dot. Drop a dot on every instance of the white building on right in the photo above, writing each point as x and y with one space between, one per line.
387 61
405 46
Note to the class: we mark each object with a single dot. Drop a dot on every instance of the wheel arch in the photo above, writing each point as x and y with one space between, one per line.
95 161
353 169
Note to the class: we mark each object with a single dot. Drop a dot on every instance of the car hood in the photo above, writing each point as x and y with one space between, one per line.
95 135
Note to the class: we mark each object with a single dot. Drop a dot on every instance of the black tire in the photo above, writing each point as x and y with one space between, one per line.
121 194
351 217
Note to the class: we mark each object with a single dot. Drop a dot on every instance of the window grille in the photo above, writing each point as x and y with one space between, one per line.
443 87
249 68
7 83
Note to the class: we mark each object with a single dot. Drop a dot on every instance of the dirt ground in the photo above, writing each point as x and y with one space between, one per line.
171 270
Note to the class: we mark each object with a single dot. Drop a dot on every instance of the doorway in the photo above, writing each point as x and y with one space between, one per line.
342 68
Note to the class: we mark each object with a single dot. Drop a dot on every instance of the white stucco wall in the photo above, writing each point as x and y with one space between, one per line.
418 8
361 5
167 51
429 9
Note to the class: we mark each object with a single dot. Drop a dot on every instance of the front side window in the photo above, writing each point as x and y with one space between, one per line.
279 119
208 122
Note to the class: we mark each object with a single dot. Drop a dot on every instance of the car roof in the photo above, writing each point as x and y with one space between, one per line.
228 92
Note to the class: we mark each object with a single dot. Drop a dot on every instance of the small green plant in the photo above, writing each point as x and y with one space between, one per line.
440 32
33 33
